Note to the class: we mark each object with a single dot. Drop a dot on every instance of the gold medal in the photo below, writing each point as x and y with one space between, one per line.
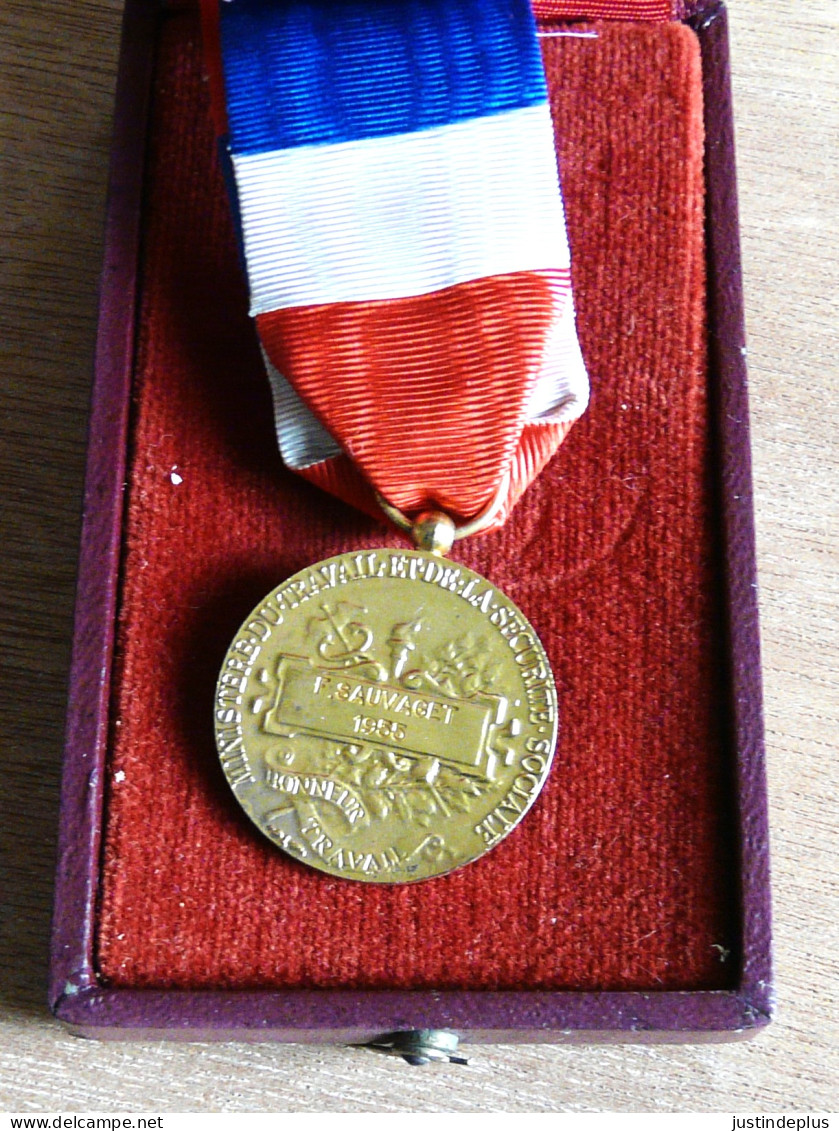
386 716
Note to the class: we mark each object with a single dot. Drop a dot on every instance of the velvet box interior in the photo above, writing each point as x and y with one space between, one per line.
633 896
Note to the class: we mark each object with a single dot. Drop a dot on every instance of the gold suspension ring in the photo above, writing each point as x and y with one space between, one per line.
435 531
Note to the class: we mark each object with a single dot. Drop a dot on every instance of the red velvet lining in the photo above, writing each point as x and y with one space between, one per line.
622 876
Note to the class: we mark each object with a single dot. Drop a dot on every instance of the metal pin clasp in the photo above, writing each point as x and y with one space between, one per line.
420 1046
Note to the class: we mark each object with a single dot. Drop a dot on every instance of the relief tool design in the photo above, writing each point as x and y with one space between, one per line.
386 715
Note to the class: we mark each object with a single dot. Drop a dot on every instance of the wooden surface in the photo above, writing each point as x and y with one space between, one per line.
56 85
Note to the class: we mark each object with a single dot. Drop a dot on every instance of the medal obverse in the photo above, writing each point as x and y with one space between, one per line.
386 715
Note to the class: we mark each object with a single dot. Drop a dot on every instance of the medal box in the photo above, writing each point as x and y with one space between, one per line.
632 902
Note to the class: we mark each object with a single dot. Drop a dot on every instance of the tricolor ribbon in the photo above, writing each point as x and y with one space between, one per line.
396 188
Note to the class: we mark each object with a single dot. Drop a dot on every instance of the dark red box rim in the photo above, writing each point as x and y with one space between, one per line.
75 995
